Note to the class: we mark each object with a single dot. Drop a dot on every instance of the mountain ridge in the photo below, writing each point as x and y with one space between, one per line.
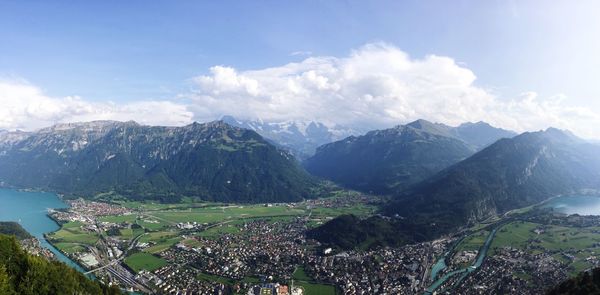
301 138
213 161
391 160
510 174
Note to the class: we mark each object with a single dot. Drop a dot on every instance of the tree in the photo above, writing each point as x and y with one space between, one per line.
5 286
24 274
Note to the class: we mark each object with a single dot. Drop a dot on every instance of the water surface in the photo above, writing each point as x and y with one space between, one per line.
582 205
30 209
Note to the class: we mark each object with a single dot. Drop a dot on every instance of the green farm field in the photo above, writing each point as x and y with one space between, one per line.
72 233
473 242
580 242
219 214
310 287
144 261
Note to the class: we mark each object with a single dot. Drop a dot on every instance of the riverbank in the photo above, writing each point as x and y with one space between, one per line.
72 263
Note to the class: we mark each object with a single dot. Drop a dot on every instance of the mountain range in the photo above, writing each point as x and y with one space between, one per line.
436 174
211 161
391 160
9 138
301 138
509 174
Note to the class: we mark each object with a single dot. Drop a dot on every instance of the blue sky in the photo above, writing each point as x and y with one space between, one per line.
127 51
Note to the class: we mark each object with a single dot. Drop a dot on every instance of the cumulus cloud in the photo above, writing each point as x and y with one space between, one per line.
377 85
26 107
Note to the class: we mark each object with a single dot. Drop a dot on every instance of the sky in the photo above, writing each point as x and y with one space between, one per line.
521 65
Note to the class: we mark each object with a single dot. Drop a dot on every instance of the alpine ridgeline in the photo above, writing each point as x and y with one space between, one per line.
389 161
299 137
212 161
510 174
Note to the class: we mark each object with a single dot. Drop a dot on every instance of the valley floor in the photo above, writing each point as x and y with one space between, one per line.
231 248
528 252
203 248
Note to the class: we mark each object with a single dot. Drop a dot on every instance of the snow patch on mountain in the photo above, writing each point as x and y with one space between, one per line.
300 137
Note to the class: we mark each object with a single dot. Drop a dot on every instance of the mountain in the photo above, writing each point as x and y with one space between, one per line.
22 273
390 160
511 173
212 161
480 134
8 138
301 138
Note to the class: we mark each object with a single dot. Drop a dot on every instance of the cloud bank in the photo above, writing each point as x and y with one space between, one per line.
378 85
375 86
24 106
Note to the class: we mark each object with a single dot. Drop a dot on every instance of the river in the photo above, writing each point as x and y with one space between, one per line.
30 209
582 205
465 271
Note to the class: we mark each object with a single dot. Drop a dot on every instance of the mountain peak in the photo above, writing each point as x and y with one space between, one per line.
475 124
230 120
561 135
429 127
212 161
216 123
421 124
299 137
556 131
408 153
481 134
511 173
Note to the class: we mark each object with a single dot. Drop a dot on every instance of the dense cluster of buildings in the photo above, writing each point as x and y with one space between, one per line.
262 251
269 251
86 211
181 279
512 271
383 271
260 257
32 246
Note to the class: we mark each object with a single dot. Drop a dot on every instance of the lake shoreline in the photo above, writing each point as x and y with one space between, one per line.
29 207
584 205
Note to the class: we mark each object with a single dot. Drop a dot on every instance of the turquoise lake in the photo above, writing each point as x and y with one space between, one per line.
30 209
582 205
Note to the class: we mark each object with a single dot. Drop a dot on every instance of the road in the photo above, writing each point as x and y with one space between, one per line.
114 267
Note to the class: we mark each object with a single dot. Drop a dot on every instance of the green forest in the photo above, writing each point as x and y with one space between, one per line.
24 274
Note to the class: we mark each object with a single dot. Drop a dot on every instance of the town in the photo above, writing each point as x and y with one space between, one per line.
264 249
260 255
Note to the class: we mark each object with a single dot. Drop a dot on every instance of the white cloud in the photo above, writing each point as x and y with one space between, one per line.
301 53
377 85
24 106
